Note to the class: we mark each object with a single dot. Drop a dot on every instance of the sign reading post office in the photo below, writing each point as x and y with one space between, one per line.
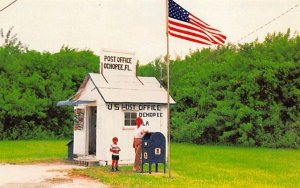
117 63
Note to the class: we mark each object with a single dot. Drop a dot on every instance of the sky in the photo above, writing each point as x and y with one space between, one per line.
138 26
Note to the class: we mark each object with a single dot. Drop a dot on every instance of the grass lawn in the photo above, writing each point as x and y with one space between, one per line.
33 151
192 165
212 166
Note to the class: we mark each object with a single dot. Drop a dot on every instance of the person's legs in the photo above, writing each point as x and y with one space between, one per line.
138 151
116 165
113 165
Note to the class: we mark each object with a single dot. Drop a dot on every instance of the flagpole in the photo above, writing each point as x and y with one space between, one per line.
168 88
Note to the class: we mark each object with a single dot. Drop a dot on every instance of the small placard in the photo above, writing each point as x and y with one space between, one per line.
145 155
78 119
157 151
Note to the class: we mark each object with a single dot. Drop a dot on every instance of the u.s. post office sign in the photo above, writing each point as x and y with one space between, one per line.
117 63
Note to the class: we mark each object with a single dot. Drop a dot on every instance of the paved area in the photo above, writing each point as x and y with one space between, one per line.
43 175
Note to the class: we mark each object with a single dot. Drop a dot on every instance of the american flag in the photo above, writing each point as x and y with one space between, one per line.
185 25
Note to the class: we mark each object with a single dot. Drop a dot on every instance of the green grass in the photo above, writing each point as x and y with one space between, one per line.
192 165
32 151
212 166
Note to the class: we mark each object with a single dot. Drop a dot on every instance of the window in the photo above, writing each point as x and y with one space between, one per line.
129 119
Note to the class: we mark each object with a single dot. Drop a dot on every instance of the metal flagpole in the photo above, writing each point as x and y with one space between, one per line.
168 88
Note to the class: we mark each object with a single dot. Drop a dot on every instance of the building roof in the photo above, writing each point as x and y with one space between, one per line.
127 89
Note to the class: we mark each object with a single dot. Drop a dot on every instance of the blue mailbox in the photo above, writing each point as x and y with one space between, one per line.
154 150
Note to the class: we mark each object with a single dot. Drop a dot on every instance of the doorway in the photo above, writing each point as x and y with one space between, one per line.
92 130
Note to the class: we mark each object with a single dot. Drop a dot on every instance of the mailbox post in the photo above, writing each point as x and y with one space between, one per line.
154 150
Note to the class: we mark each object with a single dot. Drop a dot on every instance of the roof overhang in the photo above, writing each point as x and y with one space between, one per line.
73 102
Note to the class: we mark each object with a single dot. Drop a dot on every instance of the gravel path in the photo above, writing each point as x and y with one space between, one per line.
43 175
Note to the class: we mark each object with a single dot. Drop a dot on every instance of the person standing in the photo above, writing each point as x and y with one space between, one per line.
114 148
137 143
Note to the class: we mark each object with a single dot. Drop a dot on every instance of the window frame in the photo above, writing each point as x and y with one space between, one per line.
131 119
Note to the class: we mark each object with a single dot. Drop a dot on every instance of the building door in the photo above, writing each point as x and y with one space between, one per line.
92 130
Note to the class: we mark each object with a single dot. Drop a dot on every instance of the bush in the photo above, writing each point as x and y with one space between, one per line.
247 94
32 83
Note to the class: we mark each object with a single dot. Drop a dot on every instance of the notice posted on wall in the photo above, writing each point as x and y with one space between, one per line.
117 63
78 119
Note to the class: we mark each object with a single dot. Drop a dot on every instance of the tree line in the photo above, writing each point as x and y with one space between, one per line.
244 94
32 83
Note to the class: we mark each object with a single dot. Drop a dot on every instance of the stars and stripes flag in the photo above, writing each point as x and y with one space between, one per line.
182 24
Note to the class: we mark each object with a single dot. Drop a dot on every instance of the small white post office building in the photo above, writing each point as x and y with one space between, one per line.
108 103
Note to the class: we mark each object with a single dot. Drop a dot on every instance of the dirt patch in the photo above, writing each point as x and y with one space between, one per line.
59 180
44 175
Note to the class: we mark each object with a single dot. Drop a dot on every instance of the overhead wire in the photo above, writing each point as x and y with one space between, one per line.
272 20
8 5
